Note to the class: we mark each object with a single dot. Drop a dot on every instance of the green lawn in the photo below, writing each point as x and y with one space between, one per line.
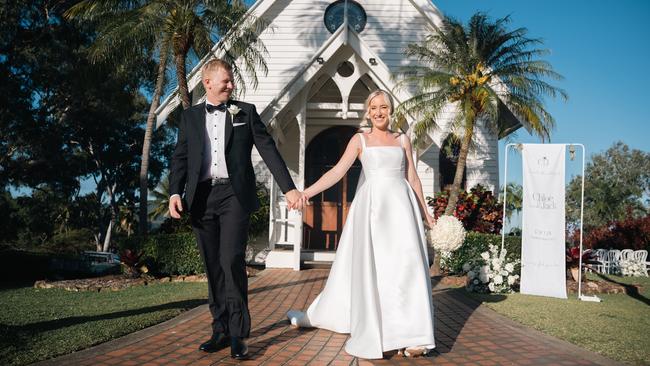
36 324
618 327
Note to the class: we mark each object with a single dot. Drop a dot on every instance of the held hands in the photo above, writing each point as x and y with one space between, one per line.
175 206
296 200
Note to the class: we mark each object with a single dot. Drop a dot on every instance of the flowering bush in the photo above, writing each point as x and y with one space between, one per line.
475 244
491 273
632 268
447 235
479 210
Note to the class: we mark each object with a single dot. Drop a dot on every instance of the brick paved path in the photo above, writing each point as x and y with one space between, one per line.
466 334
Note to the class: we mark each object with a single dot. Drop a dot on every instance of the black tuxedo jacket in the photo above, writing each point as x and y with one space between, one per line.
241 132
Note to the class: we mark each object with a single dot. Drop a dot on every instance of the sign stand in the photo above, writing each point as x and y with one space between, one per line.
582 200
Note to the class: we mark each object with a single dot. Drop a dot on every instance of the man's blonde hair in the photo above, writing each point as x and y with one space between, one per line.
215 64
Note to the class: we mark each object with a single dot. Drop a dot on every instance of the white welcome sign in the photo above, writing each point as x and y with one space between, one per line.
543 266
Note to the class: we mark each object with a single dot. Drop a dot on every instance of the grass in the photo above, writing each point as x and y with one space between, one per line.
617 328
37 324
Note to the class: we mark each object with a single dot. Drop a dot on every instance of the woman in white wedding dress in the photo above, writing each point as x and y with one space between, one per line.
379 288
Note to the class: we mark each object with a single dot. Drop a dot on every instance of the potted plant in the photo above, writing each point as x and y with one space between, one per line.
573 260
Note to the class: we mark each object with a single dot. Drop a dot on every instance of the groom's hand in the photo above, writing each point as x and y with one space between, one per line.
294 199
175 206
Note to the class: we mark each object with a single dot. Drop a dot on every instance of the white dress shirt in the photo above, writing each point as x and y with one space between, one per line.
214 155
214 147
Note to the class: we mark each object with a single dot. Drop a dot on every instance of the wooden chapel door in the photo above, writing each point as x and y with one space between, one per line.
324 218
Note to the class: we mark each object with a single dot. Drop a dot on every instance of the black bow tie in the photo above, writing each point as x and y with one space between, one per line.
212 108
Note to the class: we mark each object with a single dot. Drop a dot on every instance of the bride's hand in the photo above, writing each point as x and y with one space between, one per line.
429 221
305 199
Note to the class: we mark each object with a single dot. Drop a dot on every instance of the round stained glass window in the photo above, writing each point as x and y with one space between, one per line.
335 13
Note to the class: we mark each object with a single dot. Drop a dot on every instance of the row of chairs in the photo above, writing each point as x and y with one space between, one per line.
608 261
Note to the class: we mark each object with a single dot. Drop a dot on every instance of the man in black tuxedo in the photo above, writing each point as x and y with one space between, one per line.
212 166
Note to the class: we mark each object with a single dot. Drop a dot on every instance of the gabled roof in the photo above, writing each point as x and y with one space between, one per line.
380 73
259 8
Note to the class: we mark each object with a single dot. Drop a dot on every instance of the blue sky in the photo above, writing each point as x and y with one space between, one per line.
601 48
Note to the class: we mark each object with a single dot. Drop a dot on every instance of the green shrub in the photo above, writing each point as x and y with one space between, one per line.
260 218
71 242
169 254
476 243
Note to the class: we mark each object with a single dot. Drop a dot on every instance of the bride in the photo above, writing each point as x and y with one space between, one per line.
378 289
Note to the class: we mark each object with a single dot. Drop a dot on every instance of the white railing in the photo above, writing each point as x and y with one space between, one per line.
285 226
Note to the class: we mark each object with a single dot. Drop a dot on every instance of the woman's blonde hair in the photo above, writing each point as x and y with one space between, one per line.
387 99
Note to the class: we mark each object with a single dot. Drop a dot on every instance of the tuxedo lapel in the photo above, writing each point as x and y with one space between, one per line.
228 132
199 125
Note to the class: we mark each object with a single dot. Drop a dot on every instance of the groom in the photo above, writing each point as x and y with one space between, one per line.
212 166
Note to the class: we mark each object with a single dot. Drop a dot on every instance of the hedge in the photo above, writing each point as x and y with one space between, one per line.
168 254
476 243
177 254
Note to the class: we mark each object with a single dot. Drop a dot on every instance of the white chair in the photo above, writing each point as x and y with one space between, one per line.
641 256
611 263
627 254
601 258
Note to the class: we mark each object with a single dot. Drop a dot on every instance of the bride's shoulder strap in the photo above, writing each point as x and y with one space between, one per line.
363 140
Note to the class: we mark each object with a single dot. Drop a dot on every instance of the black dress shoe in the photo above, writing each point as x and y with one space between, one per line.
238 348
217 342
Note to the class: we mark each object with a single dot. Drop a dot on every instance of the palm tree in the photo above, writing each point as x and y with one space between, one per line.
485 72
515 195
172 29
161 200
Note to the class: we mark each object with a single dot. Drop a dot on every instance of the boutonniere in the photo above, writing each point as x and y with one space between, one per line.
233 109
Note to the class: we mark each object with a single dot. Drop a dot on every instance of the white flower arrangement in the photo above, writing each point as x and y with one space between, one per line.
447 235
632 268
233 109
491 272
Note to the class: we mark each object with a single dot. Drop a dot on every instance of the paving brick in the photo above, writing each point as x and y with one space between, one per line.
466 334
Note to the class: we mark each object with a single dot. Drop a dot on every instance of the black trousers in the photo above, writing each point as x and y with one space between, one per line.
220 224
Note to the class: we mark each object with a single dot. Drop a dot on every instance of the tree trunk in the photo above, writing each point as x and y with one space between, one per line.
146 145
107 237
460 169
435 267
111 197
181 77
455 188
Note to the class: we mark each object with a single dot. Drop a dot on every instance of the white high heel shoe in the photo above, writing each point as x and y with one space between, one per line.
413 352
298 319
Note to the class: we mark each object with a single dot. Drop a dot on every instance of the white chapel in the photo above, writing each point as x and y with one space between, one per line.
324 58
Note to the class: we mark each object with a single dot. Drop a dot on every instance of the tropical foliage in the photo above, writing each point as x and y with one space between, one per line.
478 209
173 30
617 187
71 132
485 73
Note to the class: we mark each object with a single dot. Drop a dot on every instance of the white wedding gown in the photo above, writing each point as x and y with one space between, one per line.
378 289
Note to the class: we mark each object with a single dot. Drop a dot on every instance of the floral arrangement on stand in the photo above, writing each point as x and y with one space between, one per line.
491 273
632 268
447 235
